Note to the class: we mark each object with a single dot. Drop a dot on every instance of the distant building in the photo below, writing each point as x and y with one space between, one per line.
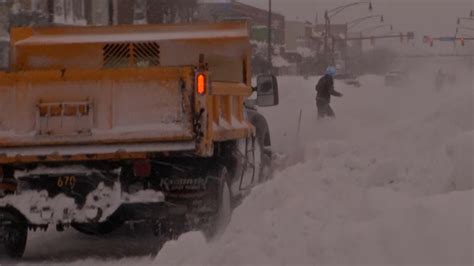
7 9
219 10
336 43
338 31
300 36
154 11
106 12
98 12
354 46
70 12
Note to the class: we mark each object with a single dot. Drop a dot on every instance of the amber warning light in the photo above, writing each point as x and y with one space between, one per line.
201 84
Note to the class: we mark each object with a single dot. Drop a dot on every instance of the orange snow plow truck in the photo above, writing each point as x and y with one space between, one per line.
104 126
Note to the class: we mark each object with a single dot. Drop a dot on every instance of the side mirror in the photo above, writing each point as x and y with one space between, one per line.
267 91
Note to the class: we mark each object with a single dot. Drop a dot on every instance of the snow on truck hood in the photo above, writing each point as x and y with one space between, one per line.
180 33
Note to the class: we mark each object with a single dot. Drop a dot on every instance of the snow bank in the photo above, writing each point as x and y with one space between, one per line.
375 187
334 226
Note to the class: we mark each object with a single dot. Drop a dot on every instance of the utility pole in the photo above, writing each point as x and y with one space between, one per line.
326 36
111 12
270 48
327 17
50 10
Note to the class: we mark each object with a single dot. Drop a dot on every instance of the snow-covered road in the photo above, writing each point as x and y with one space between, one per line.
375 186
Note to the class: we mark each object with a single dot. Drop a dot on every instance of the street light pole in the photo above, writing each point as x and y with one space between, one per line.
111 10
465 28
270 62
327 25
339 9
356 22
327 33
459 19
372 29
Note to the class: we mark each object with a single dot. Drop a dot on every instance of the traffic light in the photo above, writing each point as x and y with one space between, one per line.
426 39
462 41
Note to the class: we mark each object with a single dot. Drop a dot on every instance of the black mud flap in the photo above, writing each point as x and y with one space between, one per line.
13 234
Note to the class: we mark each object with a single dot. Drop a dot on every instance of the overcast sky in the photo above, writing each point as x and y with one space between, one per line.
425 17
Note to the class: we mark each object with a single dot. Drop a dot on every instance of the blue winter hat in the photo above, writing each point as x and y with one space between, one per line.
331 71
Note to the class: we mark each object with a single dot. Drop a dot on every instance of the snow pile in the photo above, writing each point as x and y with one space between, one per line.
326 222
279 61
305 52
376 186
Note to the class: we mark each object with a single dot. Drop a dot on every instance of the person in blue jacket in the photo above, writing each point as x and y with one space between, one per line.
325 89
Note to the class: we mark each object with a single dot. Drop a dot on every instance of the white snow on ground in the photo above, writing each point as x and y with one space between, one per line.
375 186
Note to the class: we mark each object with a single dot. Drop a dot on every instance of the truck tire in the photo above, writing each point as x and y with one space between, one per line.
98 229
14 234
221 218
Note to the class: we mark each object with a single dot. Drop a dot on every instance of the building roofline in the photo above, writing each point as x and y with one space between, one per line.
256 8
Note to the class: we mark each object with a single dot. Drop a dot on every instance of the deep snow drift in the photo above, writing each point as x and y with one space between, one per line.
375 186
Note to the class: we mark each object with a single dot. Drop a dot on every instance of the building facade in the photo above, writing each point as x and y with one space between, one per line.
69 12
209 10
154 11
72 12
337 44
9 11
299 34
98 12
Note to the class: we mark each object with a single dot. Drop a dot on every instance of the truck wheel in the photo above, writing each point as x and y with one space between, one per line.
98 229
221 218
13 236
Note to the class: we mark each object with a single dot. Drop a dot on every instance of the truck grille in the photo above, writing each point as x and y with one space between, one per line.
144 54
116 55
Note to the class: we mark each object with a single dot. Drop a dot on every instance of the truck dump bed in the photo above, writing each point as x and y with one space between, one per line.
120 92
81 107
